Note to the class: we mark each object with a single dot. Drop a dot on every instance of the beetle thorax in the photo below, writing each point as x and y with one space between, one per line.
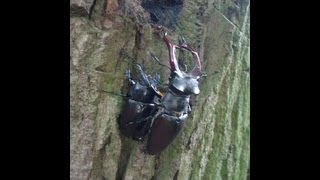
184 84
141 93
175 103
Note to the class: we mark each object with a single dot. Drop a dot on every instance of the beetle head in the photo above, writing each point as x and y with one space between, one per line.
185 83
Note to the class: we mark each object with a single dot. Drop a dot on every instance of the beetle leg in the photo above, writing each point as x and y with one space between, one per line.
154 104
143 76
145 80
156 78
128 76
140 121
189 109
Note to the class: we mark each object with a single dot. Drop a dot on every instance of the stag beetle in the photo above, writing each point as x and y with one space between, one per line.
160 115
135 119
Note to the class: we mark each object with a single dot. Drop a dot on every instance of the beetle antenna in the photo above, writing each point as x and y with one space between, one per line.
126 55
156 59
114 93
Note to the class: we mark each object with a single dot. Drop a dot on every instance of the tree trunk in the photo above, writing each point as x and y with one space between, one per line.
214 142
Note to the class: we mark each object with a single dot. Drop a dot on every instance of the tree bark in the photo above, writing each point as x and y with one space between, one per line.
215 140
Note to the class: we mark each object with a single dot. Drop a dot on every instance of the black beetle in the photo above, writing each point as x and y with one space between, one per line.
135 119
161 116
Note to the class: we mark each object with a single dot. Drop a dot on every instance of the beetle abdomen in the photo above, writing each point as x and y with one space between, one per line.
163 131
134 121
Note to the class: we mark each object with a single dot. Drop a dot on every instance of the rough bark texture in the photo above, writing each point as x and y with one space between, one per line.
80 7
214 143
